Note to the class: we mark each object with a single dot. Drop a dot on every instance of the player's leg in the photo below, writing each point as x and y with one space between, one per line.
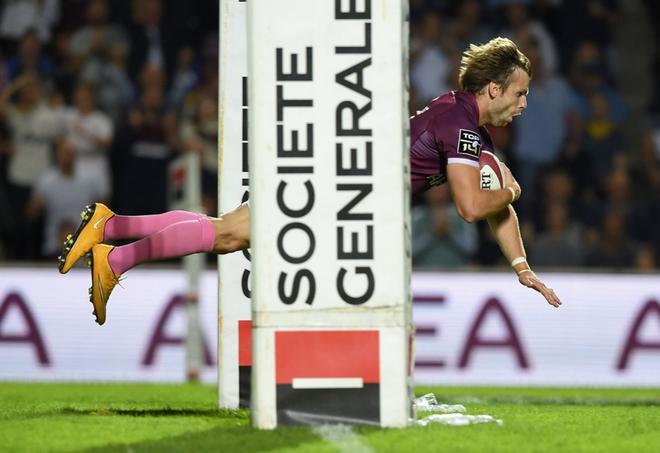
100 224
226 234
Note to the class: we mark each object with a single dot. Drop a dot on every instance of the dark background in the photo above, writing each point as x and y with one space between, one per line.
586 151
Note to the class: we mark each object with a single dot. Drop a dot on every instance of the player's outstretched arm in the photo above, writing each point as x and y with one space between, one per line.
506 230
471 202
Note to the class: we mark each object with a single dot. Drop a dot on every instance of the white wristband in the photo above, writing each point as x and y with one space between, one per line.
513 193
520 259
523 271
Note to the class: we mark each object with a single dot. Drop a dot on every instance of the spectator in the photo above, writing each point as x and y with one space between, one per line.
614 250
592 20
207 88
91 45
152 75
32 128
30 58
467 27
557 185
19 16
185 77
520 24
430 63
650 161
602 142
548 125
561 243
589 76
199 134
152 43
144 147
90 131
636 214
440 237
646 259
60 193
113 87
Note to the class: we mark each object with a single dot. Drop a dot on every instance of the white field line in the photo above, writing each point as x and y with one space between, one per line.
577 401
342 438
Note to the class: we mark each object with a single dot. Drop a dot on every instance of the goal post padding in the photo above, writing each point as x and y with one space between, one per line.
329 189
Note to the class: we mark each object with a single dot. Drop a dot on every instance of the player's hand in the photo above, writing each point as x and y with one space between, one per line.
530 280
511 181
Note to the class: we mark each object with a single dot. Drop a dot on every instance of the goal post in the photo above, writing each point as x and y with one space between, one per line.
234 310
329 188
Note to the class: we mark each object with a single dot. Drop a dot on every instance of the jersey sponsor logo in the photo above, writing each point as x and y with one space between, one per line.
469 143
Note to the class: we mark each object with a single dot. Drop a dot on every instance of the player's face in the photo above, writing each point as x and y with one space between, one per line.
512 101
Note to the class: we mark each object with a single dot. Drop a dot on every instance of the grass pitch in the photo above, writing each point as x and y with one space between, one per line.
130 417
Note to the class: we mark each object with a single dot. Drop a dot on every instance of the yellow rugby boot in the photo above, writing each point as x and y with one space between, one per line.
89 233
103 280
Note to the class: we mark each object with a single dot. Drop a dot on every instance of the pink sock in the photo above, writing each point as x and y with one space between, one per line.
140 226
178 239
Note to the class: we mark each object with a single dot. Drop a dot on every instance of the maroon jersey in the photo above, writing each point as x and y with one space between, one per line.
446 132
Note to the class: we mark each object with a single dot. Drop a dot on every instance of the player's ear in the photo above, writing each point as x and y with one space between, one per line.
494 89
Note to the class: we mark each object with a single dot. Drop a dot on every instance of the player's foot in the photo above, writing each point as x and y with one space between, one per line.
89 233
103 280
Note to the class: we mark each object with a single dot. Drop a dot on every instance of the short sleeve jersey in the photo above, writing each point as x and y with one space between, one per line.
446 132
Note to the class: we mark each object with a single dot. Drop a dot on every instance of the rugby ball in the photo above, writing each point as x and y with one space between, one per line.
490 172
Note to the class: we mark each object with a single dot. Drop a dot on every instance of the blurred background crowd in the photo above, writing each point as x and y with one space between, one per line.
97 97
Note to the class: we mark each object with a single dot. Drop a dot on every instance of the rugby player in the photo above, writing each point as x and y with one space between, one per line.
447 138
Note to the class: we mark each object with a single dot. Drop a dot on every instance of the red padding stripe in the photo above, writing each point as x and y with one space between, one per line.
327 354
244 343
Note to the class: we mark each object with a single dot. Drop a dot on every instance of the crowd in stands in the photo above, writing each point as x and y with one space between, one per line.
97 97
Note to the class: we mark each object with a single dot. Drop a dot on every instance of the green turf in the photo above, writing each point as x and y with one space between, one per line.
129 417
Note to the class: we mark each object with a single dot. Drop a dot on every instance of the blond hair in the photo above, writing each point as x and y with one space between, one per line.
494 61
